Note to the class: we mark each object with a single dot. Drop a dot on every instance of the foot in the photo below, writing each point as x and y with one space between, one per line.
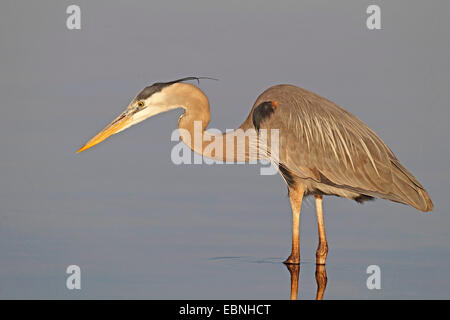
321 253
294 270
321 279
293 259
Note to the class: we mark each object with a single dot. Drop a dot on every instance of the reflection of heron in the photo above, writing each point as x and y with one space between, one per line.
323 149
321 280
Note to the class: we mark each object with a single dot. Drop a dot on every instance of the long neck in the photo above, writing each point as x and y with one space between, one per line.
227 147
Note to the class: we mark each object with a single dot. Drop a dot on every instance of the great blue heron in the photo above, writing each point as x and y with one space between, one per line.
323 149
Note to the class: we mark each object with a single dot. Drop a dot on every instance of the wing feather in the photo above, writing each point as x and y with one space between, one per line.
320 140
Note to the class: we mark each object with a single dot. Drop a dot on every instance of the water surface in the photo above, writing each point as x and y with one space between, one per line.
141 227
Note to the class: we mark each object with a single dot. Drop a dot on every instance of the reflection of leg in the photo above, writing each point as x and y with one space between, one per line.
322 250
296 197
294 270
321 279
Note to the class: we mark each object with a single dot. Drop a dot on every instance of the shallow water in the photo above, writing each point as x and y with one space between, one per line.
139 226
207 253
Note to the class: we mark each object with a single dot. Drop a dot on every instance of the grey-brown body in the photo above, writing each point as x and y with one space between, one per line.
329 151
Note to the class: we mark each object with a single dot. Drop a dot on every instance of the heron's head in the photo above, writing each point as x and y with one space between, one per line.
152 100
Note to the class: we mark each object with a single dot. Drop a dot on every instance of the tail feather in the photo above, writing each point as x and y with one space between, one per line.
408 190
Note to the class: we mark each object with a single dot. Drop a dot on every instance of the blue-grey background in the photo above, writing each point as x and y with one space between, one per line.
140 226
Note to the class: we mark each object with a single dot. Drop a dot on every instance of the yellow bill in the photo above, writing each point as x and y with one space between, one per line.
117 125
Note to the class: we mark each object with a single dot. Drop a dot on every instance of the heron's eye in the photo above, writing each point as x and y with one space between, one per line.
140 104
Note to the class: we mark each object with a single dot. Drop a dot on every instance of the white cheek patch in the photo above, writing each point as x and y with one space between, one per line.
164 99
144 114
158 98
155 104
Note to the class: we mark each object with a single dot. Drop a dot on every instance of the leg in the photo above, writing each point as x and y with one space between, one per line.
322 250
294 270
296 197
321 279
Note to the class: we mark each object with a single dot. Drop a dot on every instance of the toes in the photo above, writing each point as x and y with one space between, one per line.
321 254
292 260
320 260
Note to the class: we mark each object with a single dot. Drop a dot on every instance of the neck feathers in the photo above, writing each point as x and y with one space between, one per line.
193 123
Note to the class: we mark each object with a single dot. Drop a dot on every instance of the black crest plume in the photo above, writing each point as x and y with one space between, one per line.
158 86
